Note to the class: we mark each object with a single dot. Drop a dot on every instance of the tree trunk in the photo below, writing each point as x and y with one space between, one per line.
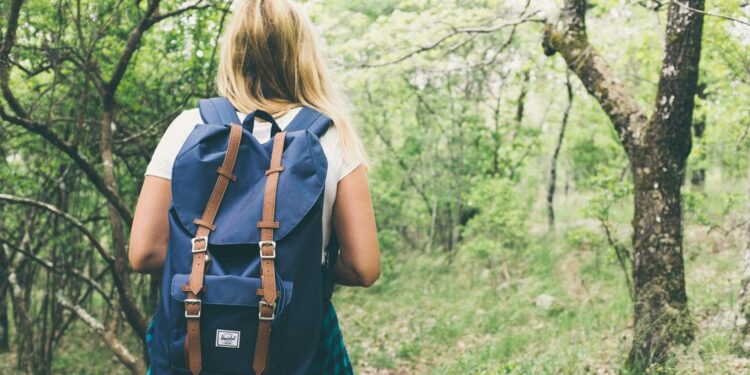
657 149
742 339
699 175
4 323
661 311
553 165
127 300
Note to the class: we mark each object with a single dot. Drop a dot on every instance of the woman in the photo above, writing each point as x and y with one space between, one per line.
270 61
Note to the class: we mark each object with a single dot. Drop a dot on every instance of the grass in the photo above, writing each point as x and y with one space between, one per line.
460 316
463 314
558 305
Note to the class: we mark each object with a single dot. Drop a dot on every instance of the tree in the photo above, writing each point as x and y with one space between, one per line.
742 339
76 94
657 147
552 184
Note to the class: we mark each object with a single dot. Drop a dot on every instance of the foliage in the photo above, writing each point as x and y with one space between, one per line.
460 135
503 208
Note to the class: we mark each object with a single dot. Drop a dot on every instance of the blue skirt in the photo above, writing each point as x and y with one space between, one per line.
331 358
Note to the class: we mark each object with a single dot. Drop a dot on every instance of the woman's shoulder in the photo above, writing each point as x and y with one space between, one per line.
171 142
182 125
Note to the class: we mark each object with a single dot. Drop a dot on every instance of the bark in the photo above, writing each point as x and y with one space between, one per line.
661 310
657 148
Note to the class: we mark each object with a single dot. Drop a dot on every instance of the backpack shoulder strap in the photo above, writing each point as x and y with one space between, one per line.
218 111
310 119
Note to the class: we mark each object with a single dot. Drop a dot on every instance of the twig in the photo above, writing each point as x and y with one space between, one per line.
703 12
623 256
454 32
742 137
195 6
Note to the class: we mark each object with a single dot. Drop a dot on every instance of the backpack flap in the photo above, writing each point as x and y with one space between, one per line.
300 184
217 111
229 290
228 322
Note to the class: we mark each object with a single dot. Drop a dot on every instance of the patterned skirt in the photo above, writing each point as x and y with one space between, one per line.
331 358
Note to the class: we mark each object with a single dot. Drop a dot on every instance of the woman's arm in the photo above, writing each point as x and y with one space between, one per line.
358 264
149 236
353 218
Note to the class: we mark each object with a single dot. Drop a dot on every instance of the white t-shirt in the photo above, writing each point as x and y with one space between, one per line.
179 130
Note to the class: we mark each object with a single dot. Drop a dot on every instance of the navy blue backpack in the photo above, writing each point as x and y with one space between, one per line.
244 290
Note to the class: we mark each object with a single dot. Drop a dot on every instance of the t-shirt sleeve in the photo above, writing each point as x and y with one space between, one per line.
338 162
171 143
348 166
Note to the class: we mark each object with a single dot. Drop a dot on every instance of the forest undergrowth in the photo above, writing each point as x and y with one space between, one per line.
559 305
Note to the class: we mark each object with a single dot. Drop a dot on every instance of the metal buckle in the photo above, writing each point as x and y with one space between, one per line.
193 301
273 312
202 238
267 243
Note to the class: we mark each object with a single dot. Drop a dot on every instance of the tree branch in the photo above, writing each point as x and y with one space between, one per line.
195 6
571 41
678 80
87 168
5 61
454 32
701 11
150 18
119 275
53 268
64 215
109 335
22 119
110 87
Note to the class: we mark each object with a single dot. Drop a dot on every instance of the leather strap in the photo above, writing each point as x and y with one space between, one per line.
205 224
267 248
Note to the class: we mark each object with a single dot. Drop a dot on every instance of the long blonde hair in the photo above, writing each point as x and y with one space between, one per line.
270 60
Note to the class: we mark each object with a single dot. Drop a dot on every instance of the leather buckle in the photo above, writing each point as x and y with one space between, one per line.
201 238
193 301
267 243
260 311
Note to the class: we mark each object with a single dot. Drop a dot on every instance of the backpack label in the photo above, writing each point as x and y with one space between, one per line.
227 339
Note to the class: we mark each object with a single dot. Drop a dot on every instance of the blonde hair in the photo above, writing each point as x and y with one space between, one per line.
270 61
